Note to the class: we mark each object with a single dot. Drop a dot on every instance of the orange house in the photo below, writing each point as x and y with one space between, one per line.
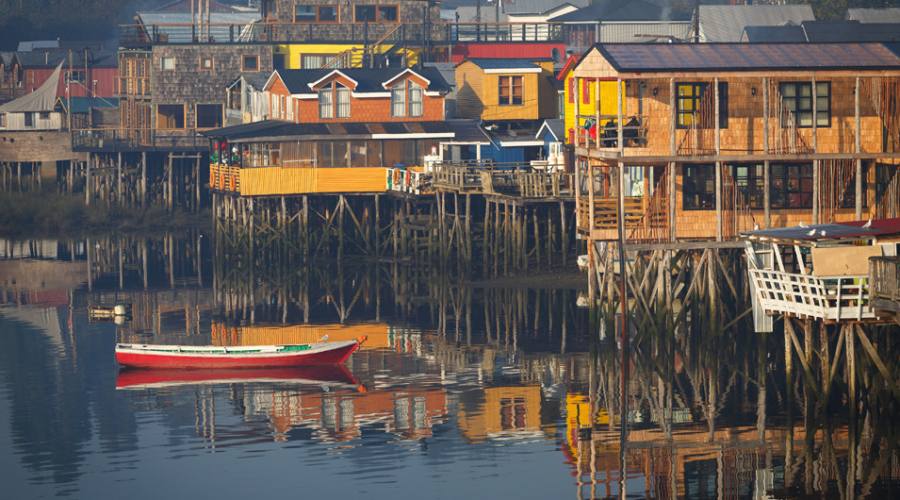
356 95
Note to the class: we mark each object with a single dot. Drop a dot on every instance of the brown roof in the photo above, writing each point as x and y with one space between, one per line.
645 57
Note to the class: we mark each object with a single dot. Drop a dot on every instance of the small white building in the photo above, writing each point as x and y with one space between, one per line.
34 111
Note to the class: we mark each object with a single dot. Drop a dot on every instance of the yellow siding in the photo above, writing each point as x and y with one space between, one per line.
293 53
607 104
377 334
286 181
477 95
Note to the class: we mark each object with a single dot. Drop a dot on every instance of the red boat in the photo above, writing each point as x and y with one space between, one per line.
318 375
178 356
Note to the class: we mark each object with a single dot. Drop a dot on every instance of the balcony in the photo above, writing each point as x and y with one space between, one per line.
114 139
603 133
806 296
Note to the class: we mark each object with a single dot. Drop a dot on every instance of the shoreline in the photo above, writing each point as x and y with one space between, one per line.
45 214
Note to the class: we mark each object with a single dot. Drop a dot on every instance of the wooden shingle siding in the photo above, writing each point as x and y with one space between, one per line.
273 181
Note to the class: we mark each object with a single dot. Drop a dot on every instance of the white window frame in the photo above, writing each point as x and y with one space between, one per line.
167 67
416 105
326 104
398 100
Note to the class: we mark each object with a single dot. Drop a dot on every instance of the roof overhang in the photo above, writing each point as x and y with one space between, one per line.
387 84
511 71
332 74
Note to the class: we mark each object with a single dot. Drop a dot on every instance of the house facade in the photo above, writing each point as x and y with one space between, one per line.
356 95
715 139
505 89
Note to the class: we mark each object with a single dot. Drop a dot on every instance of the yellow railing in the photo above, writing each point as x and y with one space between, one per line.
282 181
224 178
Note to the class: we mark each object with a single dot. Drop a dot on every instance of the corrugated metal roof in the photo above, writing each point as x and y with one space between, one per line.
886 15
621 11
824 232
539 6
748 56
726 23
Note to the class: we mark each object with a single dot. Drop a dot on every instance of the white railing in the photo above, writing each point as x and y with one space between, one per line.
408 181
802 295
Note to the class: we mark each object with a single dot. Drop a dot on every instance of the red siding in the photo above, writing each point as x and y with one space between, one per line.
105 78
507 50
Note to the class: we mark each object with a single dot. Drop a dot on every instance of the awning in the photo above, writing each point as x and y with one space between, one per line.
814 234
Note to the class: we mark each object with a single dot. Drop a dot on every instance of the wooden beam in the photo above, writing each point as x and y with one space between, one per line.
767 193
718 137
619 130
858 149
765 91
718 201
673 147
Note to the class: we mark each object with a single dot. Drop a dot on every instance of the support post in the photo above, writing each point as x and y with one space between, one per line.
767 201
673 147
858 148
765 93
718 201
718 135
619 131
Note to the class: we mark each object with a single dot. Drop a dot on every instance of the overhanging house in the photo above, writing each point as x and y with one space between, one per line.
714 139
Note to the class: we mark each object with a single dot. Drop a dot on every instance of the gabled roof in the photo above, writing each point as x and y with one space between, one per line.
556 127
702 57
885 15
619 11
368 80
570 64
726 23
43 98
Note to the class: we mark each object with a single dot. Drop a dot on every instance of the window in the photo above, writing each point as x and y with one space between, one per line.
316 61
699 187
387 13
315 14
415 100
2 120
206 63
585 91
169 116
510 90
796 97
29 120
250 63
209 115
749 183
343 102
691 110
791 185
364 13
326 106
572 90
45 115
398 100
167 63
75 76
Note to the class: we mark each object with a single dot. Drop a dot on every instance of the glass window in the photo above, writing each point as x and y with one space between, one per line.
415 100
167 63
304 13
206 63
749 185
699 187
250 63
327 14
343 102
398 99
316 61
364 13
29 120
509 90
691 109
791 185
796 97
326 106
387 13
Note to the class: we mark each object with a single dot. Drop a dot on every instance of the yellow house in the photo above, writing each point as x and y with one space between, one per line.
587 105
318 55
505 89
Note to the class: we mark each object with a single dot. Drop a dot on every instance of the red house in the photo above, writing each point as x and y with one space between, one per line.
88 74
356 95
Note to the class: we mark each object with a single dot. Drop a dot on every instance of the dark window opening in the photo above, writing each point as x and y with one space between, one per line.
749 183
169 116
250 63
327 14
699 187
792 185
364 13
848 198
29 119
387 13
209 116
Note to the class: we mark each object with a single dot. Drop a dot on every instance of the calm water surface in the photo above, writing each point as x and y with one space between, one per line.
462 391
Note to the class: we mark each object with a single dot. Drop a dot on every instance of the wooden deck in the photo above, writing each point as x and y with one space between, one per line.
519 181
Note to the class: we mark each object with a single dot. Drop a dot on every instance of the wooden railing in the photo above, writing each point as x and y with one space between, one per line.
604 134
605 213
116 139
513 179
806 296
885 275
225 178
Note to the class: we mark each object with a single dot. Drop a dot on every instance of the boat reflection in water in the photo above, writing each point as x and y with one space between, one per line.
337 376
